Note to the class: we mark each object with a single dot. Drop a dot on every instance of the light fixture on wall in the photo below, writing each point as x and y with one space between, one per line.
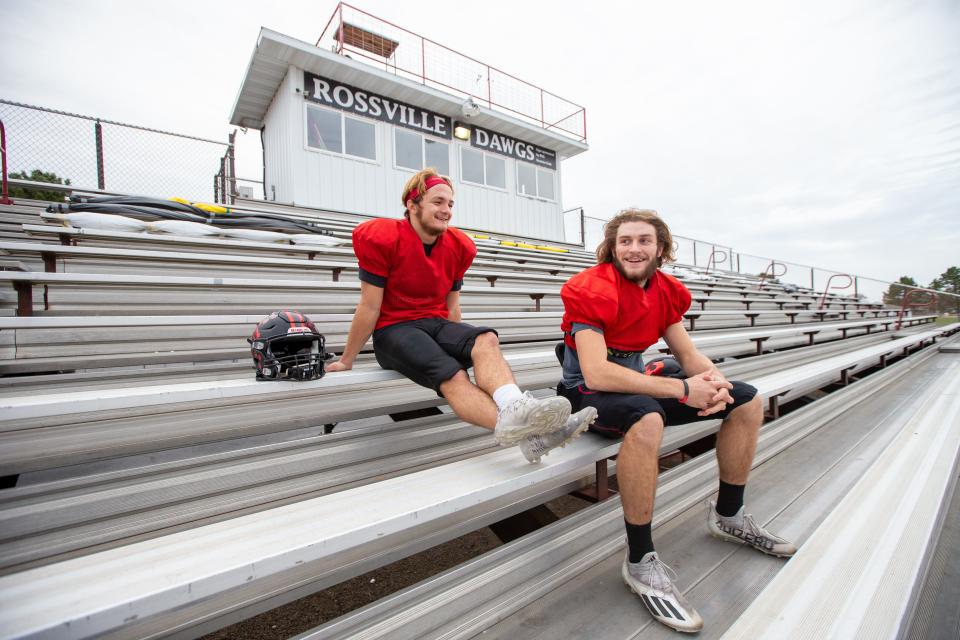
469 108
461 131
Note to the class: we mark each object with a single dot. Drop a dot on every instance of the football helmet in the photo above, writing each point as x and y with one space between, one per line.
666 366
287 345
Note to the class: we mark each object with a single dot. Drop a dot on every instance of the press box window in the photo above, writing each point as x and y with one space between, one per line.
545 184
532 181
414 151
496 171
332 131
361 138
324 130
481 168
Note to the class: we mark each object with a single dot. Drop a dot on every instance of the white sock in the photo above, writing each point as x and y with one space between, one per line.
506 395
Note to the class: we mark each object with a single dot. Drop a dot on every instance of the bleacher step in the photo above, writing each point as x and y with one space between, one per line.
859 574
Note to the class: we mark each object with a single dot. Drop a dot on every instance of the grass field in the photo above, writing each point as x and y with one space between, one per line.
942 320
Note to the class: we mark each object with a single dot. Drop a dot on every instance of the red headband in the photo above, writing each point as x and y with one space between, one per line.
429 183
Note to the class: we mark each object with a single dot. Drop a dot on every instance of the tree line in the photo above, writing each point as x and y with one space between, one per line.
947 282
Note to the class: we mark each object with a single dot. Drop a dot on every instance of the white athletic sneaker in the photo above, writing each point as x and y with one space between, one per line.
536 446
743 529
651 580
528 416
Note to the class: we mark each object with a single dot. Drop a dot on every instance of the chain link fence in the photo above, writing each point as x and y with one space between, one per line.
93 153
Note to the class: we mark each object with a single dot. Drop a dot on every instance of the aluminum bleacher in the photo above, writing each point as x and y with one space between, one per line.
146 462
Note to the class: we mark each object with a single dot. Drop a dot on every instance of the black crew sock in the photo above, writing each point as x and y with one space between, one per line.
730 499
639 540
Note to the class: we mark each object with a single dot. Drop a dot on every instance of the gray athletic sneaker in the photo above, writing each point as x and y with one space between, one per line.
743 529
528 416
651 580
536 446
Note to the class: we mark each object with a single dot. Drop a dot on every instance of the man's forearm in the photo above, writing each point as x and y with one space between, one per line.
617 379
364 320
697 364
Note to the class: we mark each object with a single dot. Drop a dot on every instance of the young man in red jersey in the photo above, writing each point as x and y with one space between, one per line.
612 313
411 273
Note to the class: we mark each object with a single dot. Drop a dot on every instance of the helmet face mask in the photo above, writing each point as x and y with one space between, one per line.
287 346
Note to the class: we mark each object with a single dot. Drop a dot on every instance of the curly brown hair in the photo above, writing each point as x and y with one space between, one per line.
605 251
418 181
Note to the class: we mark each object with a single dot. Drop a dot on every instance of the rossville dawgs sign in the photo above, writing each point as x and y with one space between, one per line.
512 148
346 98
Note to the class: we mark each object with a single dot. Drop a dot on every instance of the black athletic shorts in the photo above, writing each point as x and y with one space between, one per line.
617 412
428 351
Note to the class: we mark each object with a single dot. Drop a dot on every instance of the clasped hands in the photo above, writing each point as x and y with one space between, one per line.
709 392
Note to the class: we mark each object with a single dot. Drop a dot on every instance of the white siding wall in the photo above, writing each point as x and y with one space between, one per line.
505 212
317 179
277 152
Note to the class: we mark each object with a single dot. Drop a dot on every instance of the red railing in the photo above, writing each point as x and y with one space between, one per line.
915 305
823 298
451 70
713 261
4 190
772 269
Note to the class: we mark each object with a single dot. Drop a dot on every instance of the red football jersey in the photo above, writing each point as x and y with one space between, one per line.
416 284
632 318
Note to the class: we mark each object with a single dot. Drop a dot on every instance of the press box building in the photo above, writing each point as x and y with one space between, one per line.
345 123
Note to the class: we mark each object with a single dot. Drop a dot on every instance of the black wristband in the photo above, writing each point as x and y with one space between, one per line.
686 392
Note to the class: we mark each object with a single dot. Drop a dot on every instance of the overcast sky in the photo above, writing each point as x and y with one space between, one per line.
823 133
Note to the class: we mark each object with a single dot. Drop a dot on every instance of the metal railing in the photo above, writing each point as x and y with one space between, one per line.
771 272
713 261
96 153
823 298
414 57
227 176
692 251
573 221
930 302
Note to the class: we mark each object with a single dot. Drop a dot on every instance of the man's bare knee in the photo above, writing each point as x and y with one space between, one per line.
751 411
646 433
458 379
486 342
